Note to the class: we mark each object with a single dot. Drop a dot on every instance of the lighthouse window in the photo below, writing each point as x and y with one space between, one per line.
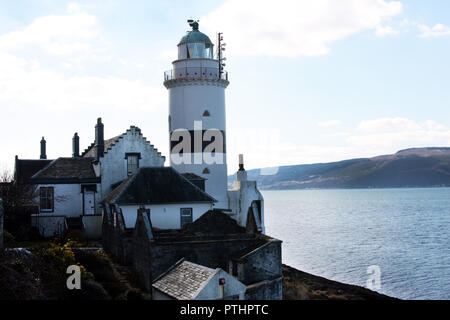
206 113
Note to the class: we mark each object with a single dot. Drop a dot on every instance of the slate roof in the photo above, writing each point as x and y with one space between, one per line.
192 176
67 170
25 169
157 185
184 280
90 151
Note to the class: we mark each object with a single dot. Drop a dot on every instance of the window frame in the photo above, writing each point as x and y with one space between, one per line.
132 155
181 216
50 198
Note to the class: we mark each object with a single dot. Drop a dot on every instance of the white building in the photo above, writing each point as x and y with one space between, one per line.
69 190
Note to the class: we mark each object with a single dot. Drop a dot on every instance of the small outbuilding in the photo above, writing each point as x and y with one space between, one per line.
189 281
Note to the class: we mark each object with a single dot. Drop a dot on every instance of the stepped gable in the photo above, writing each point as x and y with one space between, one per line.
110 143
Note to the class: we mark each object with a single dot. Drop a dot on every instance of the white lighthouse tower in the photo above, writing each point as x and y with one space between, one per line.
197 123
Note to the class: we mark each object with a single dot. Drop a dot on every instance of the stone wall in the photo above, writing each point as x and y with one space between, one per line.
265 290
117 240
260 264
212 254
252 258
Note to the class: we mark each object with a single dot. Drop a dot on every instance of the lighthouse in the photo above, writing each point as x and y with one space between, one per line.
197 124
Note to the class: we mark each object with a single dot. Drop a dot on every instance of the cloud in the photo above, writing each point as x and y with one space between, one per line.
47 65
296 28
72 33
382 31
367 139
328 124
439 30
398 133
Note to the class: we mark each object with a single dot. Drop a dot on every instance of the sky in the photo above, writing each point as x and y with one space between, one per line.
310 80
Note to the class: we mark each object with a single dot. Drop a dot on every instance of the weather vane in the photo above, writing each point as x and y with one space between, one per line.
193 24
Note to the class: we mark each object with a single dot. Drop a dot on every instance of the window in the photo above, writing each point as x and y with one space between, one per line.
206 113
46 196
206 171
132 163
186 216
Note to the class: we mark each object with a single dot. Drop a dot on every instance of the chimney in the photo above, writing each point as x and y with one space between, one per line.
43 149
241 162
76 145
99 140
241 175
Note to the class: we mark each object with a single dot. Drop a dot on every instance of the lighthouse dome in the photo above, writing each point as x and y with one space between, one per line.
195 35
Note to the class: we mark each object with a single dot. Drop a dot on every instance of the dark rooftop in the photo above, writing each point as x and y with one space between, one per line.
157 185
67 170
25 169
192 176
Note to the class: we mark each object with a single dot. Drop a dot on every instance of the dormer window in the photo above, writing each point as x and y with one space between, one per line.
132 163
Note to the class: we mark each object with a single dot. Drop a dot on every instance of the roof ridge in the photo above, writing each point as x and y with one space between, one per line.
176 264
44 168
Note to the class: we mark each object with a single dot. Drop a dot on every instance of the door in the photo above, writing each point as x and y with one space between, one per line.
89 202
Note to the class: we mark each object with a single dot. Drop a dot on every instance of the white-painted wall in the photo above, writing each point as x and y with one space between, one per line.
241 197
164 216
213 290
113 165
68 200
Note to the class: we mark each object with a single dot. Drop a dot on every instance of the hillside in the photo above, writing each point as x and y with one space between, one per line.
419 167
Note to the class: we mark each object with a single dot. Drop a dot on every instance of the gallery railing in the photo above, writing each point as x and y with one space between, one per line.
195 73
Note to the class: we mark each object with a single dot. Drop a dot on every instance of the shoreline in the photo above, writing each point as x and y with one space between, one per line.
299 285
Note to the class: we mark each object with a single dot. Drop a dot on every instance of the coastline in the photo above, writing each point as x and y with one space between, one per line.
299 285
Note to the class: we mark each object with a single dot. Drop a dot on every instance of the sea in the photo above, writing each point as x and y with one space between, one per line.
394 241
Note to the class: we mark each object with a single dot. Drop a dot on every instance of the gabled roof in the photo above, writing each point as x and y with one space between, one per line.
110 143
184 280
25 169
67 170
157 185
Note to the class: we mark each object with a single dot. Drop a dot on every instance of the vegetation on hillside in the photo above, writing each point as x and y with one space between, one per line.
424 167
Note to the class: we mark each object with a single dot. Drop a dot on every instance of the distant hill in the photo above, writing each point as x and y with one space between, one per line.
419 167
